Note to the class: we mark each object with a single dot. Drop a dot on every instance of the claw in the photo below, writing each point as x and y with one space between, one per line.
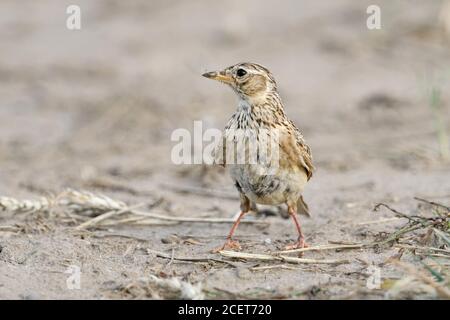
297 245
230 244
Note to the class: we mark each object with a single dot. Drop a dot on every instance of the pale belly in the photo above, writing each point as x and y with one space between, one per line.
271 187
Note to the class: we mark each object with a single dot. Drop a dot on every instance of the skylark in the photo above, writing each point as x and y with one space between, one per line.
260 112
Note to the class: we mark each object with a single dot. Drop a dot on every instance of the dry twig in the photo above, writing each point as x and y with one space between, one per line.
95 221
269 257
186 259
194 219
323 247
423 248
433 203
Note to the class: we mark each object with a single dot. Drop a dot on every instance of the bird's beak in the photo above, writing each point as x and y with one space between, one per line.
219 76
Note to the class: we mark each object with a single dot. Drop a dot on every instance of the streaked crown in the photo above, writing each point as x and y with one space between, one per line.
247 79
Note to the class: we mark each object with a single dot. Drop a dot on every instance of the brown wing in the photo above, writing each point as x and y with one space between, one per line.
297 151
305 156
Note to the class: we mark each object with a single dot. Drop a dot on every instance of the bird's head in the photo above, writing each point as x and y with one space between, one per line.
250 81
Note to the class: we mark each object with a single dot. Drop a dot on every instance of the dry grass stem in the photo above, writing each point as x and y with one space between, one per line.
269 257
323 247
152 222
378 221
438 255
423 248
80 204
396 212
277 266
437 204
185 259
415 223
130 220
95 221
442 235
9 229
138 221
194 219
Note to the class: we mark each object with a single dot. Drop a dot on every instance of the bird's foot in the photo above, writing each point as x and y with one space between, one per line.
230 244
300 244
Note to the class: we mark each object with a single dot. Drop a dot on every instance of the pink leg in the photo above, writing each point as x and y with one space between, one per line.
301 239
230 243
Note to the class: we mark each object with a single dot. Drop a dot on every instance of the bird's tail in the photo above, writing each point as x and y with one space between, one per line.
302 207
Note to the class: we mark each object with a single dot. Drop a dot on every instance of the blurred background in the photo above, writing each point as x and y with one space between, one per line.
94 109
102 102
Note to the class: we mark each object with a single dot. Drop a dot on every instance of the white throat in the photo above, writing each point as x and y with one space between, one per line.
244 106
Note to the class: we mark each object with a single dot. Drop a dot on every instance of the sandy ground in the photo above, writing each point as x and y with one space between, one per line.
94 110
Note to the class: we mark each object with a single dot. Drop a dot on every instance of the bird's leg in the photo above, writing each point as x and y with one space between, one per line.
301 239
230 243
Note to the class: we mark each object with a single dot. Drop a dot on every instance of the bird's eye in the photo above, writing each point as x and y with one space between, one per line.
241 72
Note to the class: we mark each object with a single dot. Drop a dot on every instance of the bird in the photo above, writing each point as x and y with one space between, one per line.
281 172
